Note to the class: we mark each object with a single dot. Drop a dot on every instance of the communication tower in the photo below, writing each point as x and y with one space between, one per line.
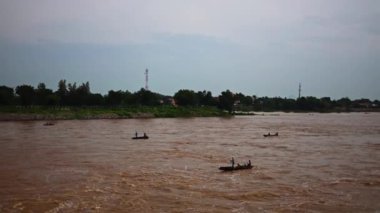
146 80
299 90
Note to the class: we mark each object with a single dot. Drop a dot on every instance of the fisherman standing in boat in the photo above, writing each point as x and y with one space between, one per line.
136 134
232 162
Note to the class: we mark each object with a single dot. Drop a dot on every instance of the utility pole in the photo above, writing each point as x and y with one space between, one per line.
146 80
299 91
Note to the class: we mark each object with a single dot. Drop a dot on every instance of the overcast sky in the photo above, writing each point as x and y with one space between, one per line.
262 48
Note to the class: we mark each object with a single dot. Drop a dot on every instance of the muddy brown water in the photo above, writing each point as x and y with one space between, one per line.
319 162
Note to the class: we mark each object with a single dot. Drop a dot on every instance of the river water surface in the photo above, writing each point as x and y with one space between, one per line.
319 162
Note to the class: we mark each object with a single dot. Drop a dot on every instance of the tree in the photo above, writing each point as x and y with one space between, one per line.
78 96
267 104
72 87
62 92
309 104
62 88
344 103
186 97
95 100
326 103
226 101
146 97
244 100
6 95
288 104
42 94
83 93
114 98
26 94
205 98
127 98
52 100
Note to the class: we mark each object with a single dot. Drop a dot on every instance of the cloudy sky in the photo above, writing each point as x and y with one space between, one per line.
262 48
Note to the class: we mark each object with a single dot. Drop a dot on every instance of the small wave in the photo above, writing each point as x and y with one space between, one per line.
252 196
66 205
229 144
265 177
342 180
19 206
370 182
281 147
375 146
260 146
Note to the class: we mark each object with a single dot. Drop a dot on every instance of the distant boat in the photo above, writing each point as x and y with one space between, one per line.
140 137
270 135
239 167
48 124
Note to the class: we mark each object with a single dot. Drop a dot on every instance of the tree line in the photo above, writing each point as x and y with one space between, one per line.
71 94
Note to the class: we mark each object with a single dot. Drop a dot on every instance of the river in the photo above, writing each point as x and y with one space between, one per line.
319 162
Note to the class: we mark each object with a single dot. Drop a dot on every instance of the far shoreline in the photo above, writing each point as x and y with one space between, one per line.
8 117
94 113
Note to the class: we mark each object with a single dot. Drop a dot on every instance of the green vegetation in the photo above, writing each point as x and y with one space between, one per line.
44 113
313 104
70 101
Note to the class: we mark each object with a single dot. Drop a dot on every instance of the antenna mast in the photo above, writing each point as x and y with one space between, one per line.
146 80
299 90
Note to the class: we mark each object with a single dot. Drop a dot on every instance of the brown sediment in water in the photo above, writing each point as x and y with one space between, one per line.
318 163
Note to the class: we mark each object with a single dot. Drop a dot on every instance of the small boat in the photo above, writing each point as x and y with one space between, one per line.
239 167
140 137
270 135
48 124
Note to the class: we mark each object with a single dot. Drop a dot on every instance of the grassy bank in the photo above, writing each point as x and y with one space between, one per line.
60 113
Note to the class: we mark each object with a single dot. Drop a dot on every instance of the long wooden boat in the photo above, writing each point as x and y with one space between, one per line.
140 137
230 168
271 135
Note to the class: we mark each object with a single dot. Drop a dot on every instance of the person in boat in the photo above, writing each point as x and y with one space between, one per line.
145 135
249 162
232 162
136 134
276 134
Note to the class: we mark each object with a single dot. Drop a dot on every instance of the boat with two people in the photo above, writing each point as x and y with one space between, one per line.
270 135
145 136
238 167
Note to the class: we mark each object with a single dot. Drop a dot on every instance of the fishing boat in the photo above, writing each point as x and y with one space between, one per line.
233 168
270 135
140 137
238 167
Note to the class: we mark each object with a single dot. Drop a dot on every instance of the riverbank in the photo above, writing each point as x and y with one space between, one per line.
82 113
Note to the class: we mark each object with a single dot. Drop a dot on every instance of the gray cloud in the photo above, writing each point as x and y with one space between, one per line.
333 47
